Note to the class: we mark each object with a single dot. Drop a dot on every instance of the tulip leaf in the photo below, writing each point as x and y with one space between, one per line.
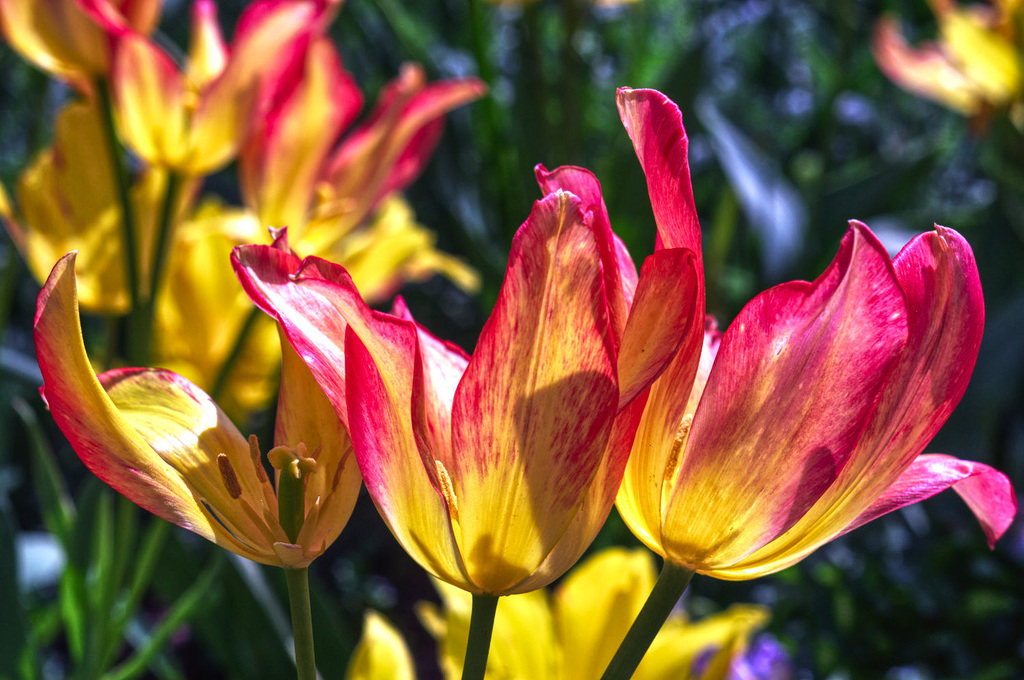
55 503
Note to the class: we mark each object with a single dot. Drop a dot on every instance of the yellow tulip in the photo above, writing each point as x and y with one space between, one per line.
381 653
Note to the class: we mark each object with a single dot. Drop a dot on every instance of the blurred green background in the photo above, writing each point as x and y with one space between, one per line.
793 131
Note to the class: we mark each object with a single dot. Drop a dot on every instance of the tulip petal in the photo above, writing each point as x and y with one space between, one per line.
283 155
782 411
655 124
381 653
620 279
151 435
666 319
61 37
533 412
316 303
986 491
207 53
150 96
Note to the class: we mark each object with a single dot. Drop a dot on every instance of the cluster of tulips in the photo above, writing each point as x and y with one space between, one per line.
730 454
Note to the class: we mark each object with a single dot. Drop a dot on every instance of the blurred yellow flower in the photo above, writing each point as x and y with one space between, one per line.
974 65
573 633
381 653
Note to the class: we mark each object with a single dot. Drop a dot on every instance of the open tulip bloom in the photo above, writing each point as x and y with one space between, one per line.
494 472
807 417
164 444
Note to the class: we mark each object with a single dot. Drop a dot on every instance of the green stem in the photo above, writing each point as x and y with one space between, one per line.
669 588
236 352
302 622
128 232
481 623
165 232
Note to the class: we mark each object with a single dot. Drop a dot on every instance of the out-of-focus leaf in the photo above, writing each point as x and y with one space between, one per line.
13 636
54 501
775 210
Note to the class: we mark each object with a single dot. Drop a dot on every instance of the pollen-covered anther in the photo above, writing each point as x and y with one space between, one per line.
257 458
447 490
678 444
228 476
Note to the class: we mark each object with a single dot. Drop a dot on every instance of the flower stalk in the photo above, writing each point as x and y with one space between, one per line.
671 583
302 622
481 624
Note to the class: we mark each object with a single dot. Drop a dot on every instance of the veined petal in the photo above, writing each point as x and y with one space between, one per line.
620 279
655 125
149 93
782 412
533 412
151 435
286 149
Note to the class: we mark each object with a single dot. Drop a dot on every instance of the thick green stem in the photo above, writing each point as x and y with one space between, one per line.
137 351
670 586
481 623
302 622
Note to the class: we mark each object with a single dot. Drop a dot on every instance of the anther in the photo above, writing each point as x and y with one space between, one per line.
682 434
257 458
228 476
447 490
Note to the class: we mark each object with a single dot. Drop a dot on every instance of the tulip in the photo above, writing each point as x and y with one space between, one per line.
194 122
807 417
164 444
484 473
73 39
972 67
570 634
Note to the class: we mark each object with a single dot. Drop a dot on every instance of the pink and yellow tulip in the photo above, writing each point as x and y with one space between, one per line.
73 39
807 417
159 440
501 468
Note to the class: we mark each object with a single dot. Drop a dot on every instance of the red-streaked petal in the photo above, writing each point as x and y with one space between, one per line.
620 279
655 125
534 409
797 379
381 427
207 53
666 318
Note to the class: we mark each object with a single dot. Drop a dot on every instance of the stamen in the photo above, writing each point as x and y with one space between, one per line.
228 476
337 474
257 458
682 434
447 490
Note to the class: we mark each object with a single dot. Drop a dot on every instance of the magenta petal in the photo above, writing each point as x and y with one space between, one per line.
986 491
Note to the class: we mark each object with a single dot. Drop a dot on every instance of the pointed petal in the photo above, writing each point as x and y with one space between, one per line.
284 153
151 435
666 319
782 412
986 491
655 125
620 278
533 412
149 94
